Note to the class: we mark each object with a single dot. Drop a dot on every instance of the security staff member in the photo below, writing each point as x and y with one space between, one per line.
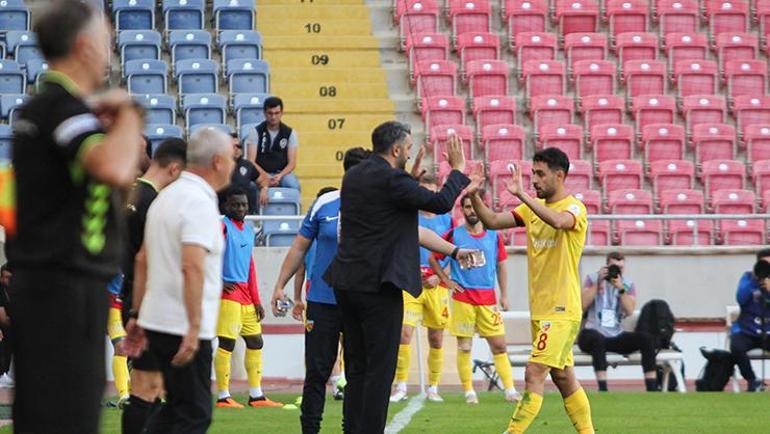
70 157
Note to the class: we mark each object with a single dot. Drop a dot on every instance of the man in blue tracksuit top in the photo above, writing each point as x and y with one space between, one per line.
747 330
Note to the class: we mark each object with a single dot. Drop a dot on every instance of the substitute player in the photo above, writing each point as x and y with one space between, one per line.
117 333
431 307
556 229
475 305
241 311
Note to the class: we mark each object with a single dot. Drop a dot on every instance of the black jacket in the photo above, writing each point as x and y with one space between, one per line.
379 240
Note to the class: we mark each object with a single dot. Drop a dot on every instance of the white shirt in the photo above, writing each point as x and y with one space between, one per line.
185 212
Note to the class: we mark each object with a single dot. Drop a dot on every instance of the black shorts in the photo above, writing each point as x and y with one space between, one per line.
146 362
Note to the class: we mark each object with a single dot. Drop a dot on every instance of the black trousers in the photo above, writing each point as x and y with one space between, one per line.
322 335
371 324
59 320
188 389
740 344
592 342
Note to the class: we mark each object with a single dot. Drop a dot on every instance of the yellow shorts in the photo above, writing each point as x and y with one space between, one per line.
468 319
237 319
432 307
552 342
115 328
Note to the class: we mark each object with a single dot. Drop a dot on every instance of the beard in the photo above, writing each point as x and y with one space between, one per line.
472 220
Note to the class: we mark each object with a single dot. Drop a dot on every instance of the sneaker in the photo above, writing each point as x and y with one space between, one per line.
338 395
6 382
122 402
298 401
262 401
471 398
754 386
512 396
228 402
434 397
111 404
398 396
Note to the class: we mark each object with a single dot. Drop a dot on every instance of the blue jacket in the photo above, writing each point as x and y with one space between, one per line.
749 297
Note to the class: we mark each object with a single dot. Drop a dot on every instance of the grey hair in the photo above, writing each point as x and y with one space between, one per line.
205 144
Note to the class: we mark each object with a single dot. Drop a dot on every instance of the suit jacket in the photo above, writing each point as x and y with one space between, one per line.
379 240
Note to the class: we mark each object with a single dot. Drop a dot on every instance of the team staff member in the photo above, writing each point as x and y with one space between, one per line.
70 158
556 228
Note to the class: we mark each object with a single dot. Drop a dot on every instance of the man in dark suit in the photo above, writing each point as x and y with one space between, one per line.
378 256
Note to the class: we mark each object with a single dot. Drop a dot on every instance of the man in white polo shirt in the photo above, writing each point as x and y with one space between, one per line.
178 283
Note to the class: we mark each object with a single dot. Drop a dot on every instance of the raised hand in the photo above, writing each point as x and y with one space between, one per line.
517 185
477 180
455 155
417 170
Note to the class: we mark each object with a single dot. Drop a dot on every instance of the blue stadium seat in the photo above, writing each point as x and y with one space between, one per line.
183 14
248 76
23 46
6 136
248 108
227 129
35 67
240 44
281 201
280 233
159 109
197 76
234 14
189 44
204 109
13 79
14 15
146 76
158 133
134 14
9 105
139 45
244 130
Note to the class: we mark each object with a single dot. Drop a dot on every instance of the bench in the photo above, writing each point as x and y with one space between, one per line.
731 315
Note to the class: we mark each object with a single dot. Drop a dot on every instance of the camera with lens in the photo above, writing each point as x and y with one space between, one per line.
613 272
762 272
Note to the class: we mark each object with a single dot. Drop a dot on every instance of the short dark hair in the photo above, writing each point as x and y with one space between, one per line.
617 256
388 134
554 158
465 197
354 156
272 102
325 190
235 191
762 254
169 151
59 25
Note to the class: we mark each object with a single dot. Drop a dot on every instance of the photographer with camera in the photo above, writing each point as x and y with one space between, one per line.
607 298
750 330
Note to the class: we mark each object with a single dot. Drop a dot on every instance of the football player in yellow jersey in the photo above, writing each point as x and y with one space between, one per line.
556 228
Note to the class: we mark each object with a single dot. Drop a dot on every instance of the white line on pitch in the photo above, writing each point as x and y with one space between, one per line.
403 417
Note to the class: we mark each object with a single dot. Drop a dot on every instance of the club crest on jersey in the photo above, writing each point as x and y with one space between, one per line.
545 327
309 326
243 171
283 143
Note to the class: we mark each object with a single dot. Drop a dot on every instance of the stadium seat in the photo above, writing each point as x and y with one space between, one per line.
544 78
443 110
502 142
493 110
602 109
703 109
240 44
158 133
234 14
415 17
645 77
478 46
663 142
535 46
524 16
751 110
696 77
199 76
685 201
681 201
722 174
13 80
551 110
599 233
567 137
612 142
204 109
249 108
577 16
189 44
678 16
435 77
426 47
248 76
584 46
9 105
580 177
183 14
146 76
636 46
620 175
134 14
506 202
594 77
683 232
640 232
469 16
22 46
652 109
627 16
487 78
714 142
763 19
760 176
736 46
742 232
440 135
630 201
757 140
685 46
139 45
591 199
766 201
745 77
727 16
35 67
6 139
733 202
14 16
666 175
500 175
471 166
280 233
281 201
159 109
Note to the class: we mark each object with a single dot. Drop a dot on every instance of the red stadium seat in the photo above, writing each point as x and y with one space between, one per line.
763 18
722 174
487 77
535 46
580 177
703 109
494 110
733 202
612 142
685 46
636 46
584 46
667 175
500 175
678 16
440 135
640 233
471 166
620 175
751 110
627 16
416 16
683 232
551 110
598 233
602 109
503 142
630 202
435 77
714 142
727 16
653 110
746 77
544 78
426 47
594 77
760 174
742 232
663 142
684 201
478 46
443 110
696 77
757 139
577 16
645 77
519 237
736 46
567 137
525 16
506 202
766 201
591 199
469 16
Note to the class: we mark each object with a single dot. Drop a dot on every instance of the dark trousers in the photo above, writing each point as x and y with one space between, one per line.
740 344
59 320
371 325
596 344
322 336
188 388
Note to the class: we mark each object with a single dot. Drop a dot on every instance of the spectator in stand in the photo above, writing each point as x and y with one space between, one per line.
272 145
245 176
747 333
608 297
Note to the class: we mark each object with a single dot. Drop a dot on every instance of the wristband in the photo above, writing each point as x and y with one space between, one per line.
133 313
455 252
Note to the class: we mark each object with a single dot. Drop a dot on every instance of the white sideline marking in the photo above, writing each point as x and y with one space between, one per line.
403 417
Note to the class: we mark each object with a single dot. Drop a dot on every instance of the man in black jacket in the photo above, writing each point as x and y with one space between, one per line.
378 256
